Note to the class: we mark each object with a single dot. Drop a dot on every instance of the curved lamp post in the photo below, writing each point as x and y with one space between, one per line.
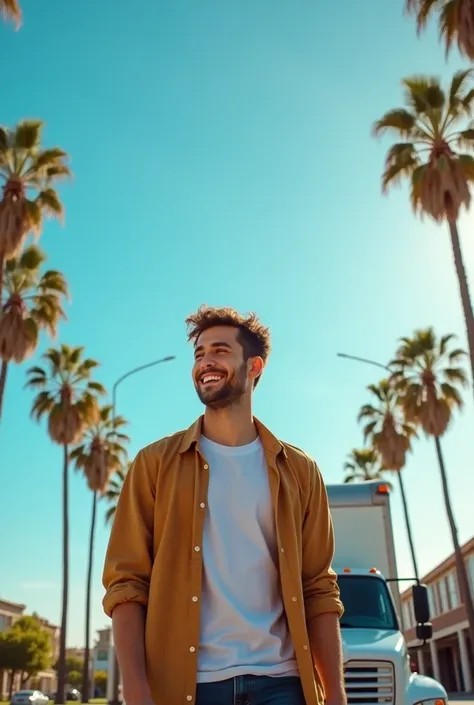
374 363
113 693
364 360
168 358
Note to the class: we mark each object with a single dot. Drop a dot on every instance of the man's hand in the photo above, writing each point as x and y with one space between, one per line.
338 697
339 700
138 696
128 622
326 650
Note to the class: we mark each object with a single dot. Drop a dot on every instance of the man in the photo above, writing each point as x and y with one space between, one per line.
218 572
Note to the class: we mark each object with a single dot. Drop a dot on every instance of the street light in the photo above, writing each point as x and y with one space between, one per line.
168 358
113 694
374 363
365 360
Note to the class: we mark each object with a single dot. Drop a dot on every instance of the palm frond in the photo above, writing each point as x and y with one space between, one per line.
31 259
27 135
10 10
48 202
400 121
401 162
43 404
455 22
460 103
49 158
97 387
423 94
110 513
423 10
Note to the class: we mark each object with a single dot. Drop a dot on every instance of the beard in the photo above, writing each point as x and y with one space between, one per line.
228 393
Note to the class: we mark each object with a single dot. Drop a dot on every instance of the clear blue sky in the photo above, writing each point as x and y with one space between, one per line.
222 154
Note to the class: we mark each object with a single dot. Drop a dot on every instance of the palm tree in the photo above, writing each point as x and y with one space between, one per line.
455 18
364 465
429 376
11 10
101 452
390 434
433 128
68 397
113 491
33 302
28 173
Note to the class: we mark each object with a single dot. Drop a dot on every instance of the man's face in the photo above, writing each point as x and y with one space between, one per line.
220 373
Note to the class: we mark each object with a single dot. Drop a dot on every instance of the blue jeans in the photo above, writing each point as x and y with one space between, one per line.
251 690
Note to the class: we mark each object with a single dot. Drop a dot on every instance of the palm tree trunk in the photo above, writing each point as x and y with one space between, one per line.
461 571
408 525
85 673
464 290
3 381
3 370
2 269
60 695
11 684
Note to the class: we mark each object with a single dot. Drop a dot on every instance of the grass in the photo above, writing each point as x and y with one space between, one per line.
93 701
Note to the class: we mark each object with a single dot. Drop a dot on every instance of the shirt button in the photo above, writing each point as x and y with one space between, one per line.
202 505
195 599
197 549
294 599
189 697
192 649
206 467
282 550
305 647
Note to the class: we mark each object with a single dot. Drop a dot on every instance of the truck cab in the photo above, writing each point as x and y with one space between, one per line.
376 661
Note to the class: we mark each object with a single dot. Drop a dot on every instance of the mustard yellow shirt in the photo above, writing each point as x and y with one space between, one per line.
154 554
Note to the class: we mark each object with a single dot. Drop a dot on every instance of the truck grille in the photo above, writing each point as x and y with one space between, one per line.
369 682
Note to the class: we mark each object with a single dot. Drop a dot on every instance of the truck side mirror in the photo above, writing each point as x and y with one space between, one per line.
424 632
421 605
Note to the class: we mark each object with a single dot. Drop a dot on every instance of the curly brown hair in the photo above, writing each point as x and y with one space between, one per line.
253 336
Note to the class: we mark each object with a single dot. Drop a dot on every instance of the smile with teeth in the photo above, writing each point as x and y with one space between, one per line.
211 378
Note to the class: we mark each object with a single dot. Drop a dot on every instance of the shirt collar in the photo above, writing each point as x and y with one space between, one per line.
270 442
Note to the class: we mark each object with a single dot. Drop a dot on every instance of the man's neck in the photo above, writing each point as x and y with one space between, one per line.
233 426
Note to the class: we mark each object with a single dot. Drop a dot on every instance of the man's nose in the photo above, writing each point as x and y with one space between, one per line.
206 362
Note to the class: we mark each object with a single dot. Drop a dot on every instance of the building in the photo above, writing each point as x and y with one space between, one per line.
101 649
76 651
45 680
449 656
9 613
100 657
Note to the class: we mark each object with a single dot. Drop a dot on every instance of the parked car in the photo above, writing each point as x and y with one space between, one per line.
29 697
73 695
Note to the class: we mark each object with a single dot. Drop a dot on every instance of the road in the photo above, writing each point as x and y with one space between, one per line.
468 700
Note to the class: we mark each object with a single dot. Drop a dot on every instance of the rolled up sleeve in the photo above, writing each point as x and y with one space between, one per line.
129 556
320 588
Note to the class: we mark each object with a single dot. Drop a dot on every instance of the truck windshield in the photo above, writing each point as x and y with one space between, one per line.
367 603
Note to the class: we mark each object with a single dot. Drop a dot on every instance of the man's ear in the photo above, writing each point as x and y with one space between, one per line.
256 367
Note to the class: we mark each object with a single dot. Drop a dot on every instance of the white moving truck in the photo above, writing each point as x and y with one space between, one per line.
377 666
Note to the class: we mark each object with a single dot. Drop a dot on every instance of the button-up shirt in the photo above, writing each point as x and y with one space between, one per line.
154 554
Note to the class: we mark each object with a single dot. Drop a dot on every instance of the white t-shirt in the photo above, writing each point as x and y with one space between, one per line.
243 624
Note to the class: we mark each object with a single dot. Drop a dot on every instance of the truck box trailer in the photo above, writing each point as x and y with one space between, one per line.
376 661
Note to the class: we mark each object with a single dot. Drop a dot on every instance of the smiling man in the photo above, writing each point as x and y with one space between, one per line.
218 571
